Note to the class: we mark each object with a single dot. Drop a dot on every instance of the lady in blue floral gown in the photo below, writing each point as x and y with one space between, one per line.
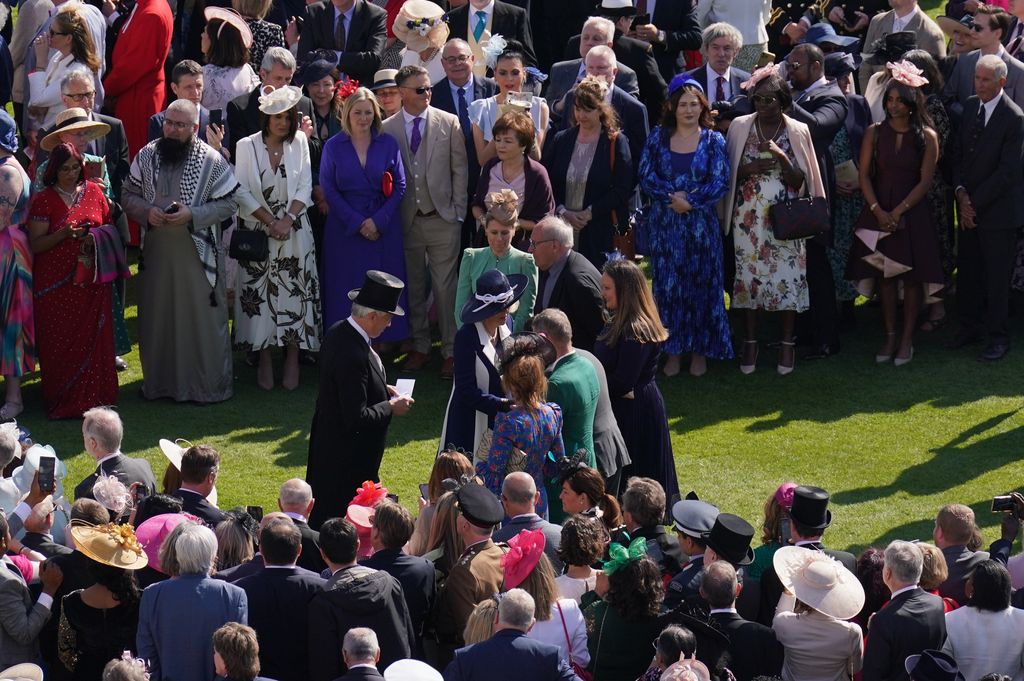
684 170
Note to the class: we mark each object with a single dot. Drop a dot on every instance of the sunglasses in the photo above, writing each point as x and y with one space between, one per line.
764 99
419 90
978 28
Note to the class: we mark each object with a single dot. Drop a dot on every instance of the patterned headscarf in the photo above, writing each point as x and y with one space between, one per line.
8 133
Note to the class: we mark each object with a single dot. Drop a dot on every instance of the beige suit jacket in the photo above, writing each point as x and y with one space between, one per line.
930 38
445 171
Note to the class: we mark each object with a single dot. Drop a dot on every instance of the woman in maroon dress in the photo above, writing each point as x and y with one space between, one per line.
896 240
74 328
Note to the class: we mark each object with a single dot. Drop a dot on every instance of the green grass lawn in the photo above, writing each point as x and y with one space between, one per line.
892 445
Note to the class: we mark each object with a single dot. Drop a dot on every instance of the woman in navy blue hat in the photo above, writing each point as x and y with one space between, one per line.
477 394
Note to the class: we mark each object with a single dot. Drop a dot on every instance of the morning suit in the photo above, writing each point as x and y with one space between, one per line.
633 121
417 577
310 557
823 109
930 38
156 125
433 208
753 648
960 84
476 576
960 561
243 115
913 621
577 293
532 521
566 75
125 469
637 55
361 674
195 605
509 656
350 423
364 37
278 600
771 587
609 445
21 618
442 98
678 19
506 20
987 164
199 506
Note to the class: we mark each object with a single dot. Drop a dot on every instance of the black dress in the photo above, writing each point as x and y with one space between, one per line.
88 638
639 409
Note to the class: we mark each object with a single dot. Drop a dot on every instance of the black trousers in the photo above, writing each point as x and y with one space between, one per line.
821 321
985 263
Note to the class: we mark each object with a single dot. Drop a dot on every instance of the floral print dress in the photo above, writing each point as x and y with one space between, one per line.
770 274
277 302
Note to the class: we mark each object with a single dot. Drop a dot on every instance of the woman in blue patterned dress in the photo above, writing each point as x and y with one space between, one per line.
684 170
525 435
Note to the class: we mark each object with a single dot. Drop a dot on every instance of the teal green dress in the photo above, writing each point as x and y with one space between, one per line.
476 261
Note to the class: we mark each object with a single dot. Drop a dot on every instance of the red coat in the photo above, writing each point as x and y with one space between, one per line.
136 79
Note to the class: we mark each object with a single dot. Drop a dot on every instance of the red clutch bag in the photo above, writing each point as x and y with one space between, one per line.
387 184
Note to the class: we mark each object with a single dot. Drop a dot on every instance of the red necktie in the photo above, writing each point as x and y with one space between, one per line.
720 89
641 6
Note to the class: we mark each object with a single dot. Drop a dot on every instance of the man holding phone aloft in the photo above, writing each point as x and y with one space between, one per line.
181 190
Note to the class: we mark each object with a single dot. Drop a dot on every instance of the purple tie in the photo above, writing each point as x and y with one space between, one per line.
414 143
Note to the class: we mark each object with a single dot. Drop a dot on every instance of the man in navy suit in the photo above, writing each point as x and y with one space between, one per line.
361 653
565 75
392 527
186 83
672 28
355 30
279 597
721 82
502 18
199 467
509 655
454 93
519 496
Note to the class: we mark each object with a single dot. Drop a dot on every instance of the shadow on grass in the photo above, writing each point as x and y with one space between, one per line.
921 528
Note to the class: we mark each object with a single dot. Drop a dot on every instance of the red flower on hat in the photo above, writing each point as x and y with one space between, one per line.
344 88
370 494
525 550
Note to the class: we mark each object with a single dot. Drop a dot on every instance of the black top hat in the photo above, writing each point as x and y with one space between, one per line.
730 538
932 665
810 507
494 292
891 46
479 505
380 291
522 344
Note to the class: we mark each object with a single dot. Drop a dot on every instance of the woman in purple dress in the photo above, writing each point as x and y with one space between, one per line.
363 180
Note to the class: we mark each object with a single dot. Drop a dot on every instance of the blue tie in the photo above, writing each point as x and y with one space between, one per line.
467 128
481 24
414 143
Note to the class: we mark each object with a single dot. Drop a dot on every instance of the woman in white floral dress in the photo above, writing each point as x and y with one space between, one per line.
277 301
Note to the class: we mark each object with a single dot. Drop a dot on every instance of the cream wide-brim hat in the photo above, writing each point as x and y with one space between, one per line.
820 581
414 37
280 100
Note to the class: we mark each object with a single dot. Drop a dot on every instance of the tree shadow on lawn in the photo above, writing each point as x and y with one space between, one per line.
921 528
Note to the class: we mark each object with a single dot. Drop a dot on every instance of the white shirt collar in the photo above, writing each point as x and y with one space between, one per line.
488 9
278 567
900 23
295 516
109 456
990 106
713 76
468 87
714 610
408 117
568 354
897 592
366 336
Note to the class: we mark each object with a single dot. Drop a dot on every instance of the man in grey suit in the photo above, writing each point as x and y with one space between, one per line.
991 24
519 496
102 432
432 212
905 15
565 75
23 619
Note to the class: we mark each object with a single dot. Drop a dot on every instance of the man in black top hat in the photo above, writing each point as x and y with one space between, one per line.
729 540
354 404
808 518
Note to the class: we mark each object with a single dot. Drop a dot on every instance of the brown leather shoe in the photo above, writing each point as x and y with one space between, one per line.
415 361
448 369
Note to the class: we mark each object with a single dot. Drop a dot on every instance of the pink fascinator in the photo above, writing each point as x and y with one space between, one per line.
758 75
905 72
525 550
784 495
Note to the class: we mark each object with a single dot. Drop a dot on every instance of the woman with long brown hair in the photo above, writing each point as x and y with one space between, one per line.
584 491
629 347
72 47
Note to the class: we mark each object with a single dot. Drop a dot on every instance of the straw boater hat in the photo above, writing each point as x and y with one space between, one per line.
949 25
110 544
74 119
421 25
820 581
22 672
230 16
280 100
384 78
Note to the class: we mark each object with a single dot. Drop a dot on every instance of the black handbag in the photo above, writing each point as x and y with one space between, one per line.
800 218
249 245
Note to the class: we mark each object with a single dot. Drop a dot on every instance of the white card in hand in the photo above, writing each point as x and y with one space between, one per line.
404 386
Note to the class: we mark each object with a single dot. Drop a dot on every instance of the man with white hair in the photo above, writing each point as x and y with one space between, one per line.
102 431
566 75
509 655
361 653
987 161
296 501
720 43
567 281
181 190
912 621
